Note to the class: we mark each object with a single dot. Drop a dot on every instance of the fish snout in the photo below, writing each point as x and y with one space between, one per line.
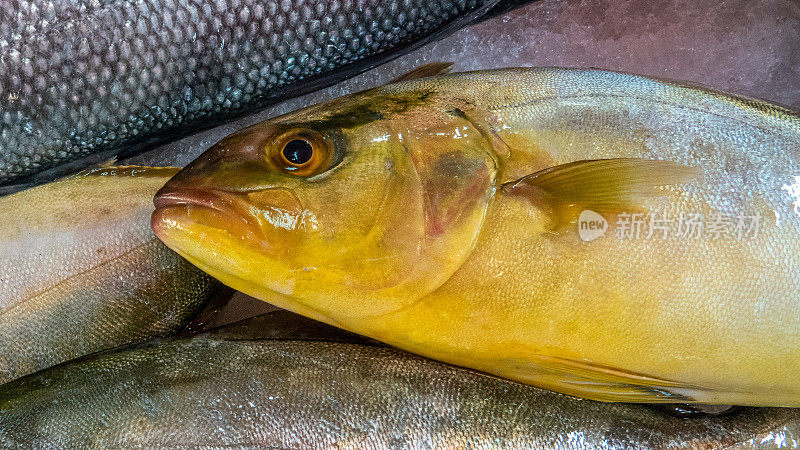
232 164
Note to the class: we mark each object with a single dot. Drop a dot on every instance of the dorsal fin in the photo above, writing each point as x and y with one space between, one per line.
424 71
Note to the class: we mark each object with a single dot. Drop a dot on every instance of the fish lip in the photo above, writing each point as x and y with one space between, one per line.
227 205
186 197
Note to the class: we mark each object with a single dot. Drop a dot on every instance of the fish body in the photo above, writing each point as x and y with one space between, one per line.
82 79
444 216
81 271
234 388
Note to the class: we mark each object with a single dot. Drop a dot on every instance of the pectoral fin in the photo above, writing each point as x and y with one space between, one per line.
602 185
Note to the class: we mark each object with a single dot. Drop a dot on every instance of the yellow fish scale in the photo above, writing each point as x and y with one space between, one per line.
709 319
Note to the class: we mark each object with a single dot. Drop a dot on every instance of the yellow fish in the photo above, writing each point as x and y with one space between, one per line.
600 234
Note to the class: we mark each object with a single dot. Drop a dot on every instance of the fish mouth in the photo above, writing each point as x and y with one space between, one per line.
185 207
190 197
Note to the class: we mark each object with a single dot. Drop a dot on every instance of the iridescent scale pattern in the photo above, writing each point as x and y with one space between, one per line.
79 77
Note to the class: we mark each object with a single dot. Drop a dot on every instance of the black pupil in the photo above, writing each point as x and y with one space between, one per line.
298 151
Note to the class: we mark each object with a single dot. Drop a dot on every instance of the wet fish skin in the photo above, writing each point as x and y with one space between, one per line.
231 388
81 271
84 77
419 222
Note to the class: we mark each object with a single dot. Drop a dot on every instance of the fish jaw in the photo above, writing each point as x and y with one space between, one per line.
206 248
217 230
212 236
219 243
218 210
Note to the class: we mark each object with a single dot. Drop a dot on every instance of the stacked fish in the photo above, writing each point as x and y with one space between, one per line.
513 235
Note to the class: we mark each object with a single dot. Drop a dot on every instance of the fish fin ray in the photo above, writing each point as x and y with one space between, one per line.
602 185
597 382
107 163
424 71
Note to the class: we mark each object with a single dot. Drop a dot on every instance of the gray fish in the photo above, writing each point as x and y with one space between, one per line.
80 270
103 77
256 385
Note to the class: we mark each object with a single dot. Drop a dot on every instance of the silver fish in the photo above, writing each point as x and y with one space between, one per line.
96 77
257 385
80 270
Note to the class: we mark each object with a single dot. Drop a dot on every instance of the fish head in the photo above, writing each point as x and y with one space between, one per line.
348 209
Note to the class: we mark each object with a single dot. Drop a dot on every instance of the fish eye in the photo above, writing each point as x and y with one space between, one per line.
298 151
301 152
